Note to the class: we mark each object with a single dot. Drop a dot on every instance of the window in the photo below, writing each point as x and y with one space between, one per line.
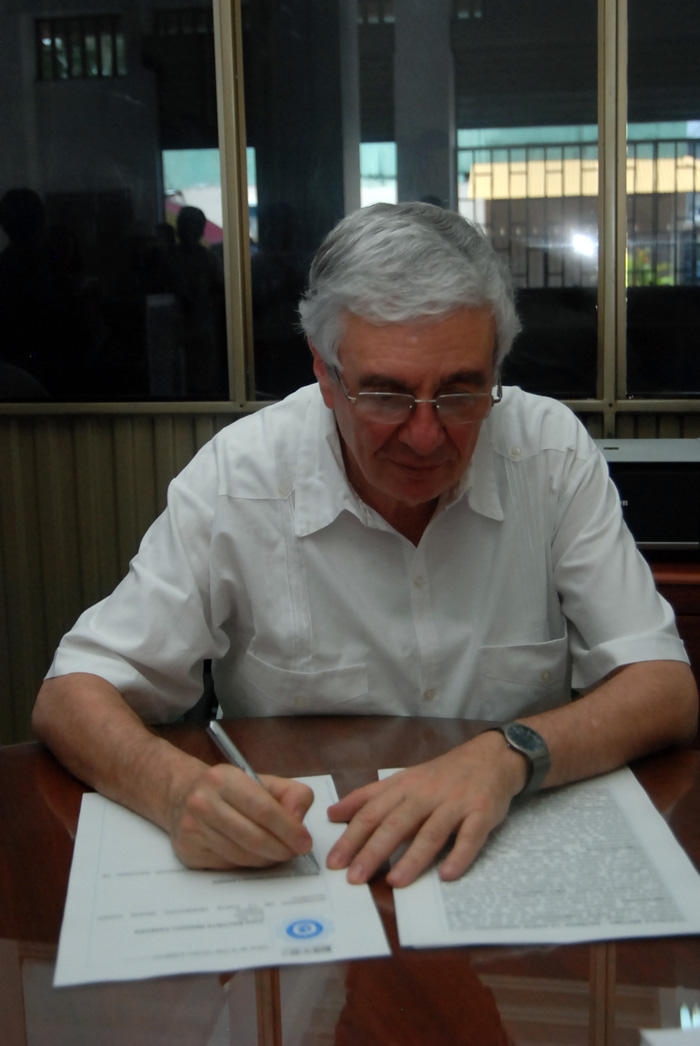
111 226
494 108
582 167
377 173
535 192
439 101
80 48
660 356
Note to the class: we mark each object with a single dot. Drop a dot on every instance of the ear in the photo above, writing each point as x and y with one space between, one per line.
323 377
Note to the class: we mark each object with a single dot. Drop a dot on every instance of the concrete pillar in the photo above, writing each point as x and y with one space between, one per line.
424 101
350 102
302 114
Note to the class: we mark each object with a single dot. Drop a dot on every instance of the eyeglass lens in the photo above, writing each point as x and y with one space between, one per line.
458 408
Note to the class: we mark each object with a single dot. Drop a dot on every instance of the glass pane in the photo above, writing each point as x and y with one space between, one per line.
61 46
488 108
121 55
106 53
92 68
111 261
45 50
663 200
528 172
76 52
377 173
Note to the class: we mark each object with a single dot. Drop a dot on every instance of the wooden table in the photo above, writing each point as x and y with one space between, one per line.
554 996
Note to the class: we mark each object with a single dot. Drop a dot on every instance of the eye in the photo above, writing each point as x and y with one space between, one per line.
391 402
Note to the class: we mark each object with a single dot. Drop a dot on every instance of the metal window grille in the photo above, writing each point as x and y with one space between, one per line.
663 213
469 9
184 21
375 12
80 48
533 200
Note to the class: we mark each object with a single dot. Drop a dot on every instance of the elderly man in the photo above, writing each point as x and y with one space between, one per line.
404 538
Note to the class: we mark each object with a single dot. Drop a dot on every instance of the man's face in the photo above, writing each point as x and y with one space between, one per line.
392 467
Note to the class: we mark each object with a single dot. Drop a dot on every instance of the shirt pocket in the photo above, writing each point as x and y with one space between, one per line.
271 690
521 680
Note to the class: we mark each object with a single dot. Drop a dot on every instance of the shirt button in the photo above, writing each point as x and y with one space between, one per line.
545 675
429 694
282 491
419 581
300 701
515 451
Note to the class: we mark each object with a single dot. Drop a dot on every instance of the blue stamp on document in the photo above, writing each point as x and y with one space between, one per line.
304 929
309 936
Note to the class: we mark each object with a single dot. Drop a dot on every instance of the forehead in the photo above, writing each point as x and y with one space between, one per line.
464 341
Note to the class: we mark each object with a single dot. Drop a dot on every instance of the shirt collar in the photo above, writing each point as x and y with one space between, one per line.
481 488
478 484
322 490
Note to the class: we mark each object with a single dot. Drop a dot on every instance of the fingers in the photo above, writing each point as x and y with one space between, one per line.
371 839
471 836
224 839
382 816
296 798
228 819
345 809
464 793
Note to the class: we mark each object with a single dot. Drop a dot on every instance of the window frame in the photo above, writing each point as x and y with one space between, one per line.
611 401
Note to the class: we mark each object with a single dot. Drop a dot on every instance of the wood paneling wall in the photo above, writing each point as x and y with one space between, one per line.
658 426
76 495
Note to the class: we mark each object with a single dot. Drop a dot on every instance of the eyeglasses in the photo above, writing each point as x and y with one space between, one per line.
395 408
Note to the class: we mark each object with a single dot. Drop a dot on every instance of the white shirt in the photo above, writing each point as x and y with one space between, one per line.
526 580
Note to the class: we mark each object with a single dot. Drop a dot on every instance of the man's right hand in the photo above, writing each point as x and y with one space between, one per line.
217 816
226 819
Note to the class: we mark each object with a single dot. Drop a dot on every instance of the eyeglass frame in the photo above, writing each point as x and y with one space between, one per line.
435 400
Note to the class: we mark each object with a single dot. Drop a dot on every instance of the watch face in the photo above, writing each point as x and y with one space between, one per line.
534 747
523 737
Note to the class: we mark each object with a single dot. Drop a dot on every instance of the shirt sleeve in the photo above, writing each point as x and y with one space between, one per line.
151 635
607 591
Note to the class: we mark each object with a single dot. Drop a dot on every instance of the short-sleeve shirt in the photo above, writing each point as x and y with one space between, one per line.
525 583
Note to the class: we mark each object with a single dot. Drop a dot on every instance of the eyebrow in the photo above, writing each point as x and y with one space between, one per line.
460 377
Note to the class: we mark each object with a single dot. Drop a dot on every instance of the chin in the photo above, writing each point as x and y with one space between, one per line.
417 492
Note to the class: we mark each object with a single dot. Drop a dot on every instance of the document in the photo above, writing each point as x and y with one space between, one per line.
590 861
670 1037
133 910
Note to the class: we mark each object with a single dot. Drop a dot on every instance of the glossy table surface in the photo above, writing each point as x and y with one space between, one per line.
555 996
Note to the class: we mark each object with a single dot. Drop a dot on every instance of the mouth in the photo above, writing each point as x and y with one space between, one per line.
418 468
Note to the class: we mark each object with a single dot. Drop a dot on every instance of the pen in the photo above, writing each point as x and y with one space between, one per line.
236 757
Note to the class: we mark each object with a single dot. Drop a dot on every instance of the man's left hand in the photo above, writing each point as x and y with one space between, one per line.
467 792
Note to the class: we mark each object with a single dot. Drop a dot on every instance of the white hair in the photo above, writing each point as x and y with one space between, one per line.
404 263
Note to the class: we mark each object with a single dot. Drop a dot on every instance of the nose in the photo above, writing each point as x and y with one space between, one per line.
423 432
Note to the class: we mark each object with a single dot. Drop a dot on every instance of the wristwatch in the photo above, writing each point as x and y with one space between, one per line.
533 746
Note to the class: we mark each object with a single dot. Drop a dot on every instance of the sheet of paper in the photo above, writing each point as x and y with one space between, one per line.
133 910
590 861
670 1037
